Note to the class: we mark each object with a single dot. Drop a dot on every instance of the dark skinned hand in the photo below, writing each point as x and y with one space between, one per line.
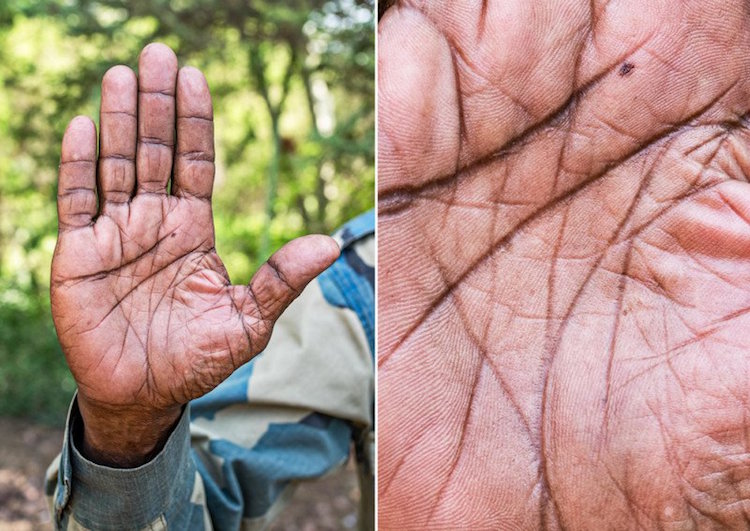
144 309
564 260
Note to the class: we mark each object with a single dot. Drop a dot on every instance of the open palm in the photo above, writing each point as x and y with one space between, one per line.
565 265
143 306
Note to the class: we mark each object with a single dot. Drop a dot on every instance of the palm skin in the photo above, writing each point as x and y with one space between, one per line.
144 309
564 265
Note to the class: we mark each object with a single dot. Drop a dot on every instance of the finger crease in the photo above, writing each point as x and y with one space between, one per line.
117 156
201 118
166 92
118 113
84 161
151 141
196 156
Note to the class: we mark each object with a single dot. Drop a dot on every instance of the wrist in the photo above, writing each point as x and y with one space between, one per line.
123 436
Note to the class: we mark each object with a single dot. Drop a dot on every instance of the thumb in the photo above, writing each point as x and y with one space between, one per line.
280 280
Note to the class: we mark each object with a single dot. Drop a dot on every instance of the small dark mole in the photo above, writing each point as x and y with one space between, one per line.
173 234
626 68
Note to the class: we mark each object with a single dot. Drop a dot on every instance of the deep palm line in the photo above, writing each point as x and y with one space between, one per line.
568 195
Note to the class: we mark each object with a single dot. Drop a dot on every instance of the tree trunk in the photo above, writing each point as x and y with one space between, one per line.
258 71
320 196
272 186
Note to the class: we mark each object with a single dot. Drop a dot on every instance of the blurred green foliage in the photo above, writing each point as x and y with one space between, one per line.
293 89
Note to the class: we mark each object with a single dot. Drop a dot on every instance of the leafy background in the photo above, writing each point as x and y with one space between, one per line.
293 89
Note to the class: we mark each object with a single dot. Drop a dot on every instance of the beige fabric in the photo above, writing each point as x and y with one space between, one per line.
317 361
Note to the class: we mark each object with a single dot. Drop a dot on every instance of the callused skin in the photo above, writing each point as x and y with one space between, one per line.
564 265
144 309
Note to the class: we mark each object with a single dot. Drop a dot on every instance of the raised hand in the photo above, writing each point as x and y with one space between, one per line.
564 265
143 306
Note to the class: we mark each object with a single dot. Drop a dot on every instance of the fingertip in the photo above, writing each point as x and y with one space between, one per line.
81 123
192 81
79 141
160 51
119 78
119 90
191 72
193 94
320 250
334 247
157 68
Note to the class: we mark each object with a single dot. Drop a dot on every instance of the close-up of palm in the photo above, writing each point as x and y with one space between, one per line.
144 309
564 265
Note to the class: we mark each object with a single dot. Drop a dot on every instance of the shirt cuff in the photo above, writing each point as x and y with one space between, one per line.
102 497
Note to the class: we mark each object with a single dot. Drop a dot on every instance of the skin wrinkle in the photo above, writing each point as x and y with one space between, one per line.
196 117
241 321
562 114
545 208
658 202
276 269
150 251
196 156
459 446
666 444
169 92
483 359
575 82
163 294
676 466
459 101
156 142
119 114
486 359
621 288
482 20
550 341
699 263
73 191
635 508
